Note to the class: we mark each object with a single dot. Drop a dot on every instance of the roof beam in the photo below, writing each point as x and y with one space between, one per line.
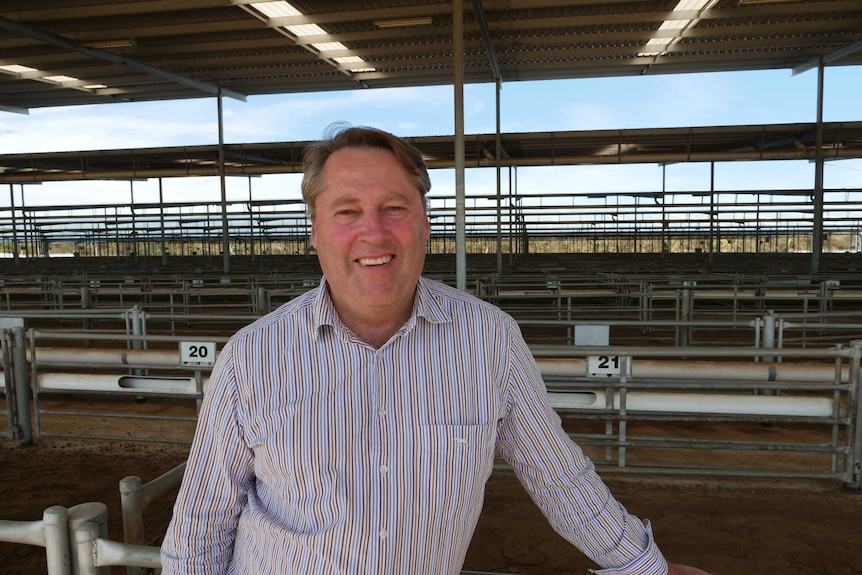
14 110
54 39
82 11
486 38
828 58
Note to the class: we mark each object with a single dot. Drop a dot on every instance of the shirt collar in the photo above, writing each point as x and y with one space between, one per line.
425 305
428 303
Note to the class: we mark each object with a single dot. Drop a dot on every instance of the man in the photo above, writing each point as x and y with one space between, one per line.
353 429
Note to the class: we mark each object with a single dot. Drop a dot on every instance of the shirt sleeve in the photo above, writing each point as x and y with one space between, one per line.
562 481
200 536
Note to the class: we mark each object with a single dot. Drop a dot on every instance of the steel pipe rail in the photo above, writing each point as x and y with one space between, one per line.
563 351
135 496
713 403
651 383
36 334
95 551
553 361
700 370
51 533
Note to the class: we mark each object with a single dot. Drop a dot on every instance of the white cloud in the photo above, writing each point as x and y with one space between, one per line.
408 112
611 103
108 126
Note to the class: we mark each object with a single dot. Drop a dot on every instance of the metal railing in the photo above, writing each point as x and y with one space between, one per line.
630 403
605 395
76 541
699 402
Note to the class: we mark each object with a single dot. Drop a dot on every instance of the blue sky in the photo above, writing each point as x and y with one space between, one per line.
762 97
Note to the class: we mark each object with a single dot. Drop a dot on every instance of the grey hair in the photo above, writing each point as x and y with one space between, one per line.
339 136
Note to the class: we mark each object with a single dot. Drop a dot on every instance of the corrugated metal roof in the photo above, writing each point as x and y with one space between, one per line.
193 48
647 145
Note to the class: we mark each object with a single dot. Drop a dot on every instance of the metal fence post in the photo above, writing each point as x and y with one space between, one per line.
85 536
22 386
769 333
56 529
132 502
9 384
853 466
87 522
262 301
685 308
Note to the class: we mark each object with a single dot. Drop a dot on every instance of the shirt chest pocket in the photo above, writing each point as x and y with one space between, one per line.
452 464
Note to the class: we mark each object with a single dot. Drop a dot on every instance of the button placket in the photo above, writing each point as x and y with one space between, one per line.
383 422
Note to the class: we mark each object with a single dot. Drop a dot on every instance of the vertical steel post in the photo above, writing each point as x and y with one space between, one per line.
853 465
56 532
22 386
132 501
15 258
162 222
460 200
137 329
769 333
87 522
225 236
9 383
684 313
817 228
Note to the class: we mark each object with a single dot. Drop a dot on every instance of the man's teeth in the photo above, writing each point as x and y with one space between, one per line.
375 261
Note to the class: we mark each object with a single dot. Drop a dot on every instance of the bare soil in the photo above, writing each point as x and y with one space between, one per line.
725 526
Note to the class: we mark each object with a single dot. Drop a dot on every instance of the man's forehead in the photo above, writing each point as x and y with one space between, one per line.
346 195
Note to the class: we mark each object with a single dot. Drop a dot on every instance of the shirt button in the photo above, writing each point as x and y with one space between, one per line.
383 533
381 412
383 469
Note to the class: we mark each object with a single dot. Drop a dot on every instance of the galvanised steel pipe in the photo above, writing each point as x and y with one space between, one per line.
676 402
118 357
51 533
549 366
55 520
785 372
22 387
722 403
112 383
87 522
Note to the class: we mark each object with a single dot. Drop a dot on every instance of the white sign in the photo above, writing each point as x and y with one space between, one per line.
197 353
603 366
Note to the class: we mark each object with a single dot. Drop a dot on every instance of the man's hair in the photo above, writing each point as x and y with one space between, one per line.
340 136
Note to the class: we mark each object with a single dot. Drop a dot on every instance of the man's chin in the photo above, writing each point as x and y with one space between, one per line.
379 296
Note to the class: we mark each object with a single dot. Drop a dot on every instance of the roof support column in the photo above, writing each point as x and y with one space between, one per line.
14 227
225 243
498 159
162 222
714 242
460 202
817 231
479 12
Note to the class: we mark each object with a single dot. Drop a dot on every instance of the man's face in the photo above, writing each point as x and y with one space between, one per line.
370 230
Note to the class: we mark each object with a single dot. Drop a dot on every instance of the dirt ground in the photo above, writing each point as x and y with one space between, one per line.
725 526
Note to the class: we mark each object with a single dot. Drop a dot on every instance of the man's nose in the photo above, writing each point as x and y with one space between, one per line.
373 225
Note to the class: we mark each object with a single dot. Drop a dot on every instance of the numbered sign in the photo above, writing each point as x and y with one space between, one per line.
196 353
602 366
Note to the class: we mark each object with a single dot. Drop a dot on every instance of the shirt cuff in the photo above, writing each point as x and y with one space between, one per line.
650 562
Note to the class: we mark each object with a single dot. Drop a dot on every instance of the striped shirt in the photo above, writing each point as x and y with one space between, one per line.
316 453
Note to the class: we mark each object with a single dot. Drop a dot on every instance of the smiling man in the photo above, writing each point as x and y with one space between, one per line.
352 430
370 230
